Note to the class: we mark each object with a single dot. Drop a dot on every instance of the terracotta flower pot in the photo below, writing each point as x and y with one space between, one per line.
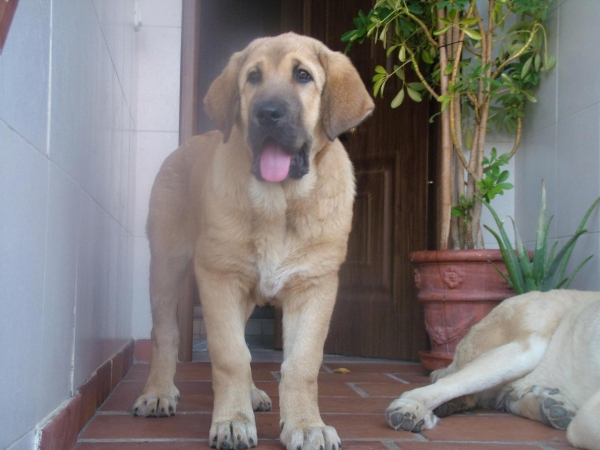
457 288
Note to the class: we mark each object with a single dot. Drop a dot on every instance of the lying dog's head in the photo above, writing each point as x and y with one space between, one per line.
283 93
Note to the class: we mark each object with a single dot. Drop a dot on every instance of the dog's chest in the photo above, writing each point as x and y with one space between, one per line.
278 244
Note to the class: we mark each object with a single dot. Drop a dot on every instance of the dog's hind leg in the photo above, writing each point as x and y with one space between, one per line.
539 403
170 263
413 411
583 432
260 400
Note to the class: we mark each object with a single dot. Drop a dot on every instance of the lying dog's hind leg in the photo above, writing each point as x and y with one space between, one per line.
583 432
413 411
170 264
541 404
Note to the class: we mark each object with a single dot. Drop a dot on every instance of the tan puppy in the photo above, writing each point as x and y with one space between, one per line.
536 355
262 209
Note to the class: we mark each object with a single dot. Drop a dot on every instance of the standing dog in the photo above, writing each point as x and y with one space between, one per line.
536 355
262 209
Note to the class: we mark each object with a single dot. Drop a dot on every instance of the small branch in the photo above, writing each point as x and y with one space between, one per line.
501 21
472 50
423 27
517 138
415 65
518 54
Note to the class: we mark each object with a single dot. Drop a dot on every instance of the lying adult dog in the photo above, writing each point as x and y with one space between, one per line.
536 355
262 209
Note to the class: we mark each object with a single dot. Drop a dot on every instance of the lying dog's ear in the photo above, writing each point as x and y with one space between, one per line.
222 100
345 101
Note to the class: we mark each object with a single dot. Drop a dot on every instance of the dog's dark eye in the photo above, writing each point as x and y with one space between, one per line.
303 75
254 77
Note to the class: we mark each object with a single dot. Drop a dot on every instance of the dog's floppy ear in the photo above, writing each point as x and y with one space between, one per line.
345 101
222 100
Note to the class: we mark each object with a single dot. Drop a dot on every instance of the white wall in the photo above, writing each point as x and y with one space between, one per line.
159 53
562 138
67 168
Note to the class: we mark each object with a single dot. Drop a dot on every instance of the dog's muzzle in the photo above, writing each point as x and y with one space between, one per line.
279 144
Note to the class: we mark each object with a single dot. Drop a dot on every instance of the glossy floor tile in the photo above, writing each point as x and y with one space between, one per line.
354 403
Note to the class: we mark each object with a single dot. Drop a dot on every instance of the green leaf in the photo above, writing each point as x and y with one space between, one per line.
417 86
377 86
414 95
402 54
426 57
398 99
473 34
380 69
526 67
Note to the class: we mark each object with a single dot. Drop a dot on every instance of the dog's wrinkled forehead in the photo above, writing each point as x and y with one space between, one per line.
275 59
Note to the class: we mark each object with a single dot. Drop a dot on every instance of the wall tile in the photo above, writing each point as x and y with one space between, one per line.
536 162
24 68
159 84
578 164
160 13
578 59
588 278
544 113
24 211
78 87
152 149
92 287
59 301
27 442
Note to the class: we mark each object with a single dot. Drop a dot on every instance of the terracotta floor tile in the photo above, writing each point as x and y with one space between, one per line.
504 428
463 446
194 426
139 445
363 426
353 403
355 377
391 390
390 367
346 405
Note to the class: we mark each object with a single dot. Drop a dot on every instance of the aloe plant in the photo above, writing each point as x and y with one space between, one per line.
545 271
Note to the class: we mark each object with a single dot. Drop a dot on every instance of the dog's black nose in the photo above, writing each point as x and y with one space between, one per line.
269 113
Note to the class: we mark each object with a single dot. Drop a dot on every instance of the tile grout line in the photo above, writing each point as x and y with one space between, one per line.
390 445
394 377
358 390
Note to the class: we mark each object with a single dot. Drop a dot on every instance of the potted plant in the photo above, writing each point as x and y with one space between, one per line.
481 67
543 269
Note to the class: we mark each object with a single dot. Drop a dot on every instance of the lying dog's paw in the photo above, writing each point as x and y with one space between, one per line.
237 434
260 400
555 409
409 415
157 403
311 438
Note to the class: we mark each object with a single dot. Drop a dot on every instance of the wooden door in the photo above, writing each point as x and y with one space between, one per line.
376 313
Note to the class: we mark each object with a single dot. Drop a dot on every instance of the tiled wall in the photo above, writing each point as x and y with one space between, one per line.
159 53
562 138
67 177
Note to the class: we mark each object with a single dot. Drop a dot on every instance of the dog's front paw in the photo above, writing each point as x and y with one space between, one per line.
157 402
310 438
260 400
410 415
235 434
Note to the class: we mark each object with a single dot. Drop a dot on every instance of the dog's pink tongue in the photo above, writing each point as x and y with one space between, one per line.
274 163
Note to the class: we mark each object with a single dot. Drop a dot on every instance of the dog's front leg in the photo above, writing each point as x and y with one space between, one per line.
307 308
224 304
